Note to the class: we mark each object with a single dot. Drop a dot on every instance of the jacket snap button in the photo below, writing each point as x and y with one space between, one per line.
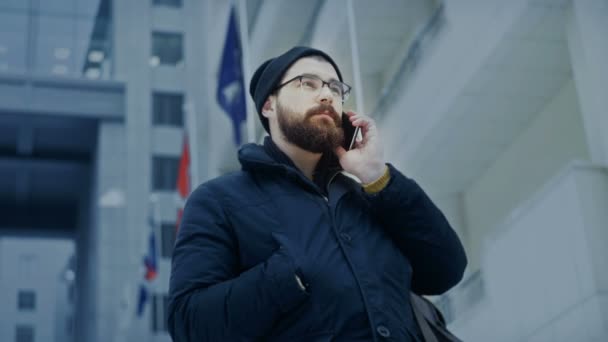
345 237
383 331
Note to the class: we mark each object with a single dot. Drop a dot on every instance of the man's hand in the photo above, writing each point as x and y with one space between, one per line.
366 159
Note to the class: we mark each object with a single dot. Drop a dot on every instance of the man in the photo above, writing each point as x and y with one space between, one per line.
289 248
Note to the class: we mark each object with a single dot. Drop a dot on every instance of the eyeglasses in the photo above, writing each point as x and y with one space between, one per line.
313 85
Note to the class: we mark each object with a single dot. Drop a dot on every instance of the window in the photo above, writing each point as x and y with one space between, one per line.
168 3
167 109
164 173
14 36
26 300
167 48
168 239
159 312
24 333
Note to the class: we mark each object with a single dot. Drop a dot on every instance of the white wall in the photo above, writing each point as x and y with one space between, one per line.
553 138
544 272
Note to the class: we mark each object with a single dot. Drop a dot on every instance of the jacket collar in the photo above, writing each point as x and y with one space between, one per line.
269 157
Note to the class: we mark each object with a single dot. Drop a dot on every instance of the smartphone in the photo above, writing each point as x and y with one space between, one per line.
350 132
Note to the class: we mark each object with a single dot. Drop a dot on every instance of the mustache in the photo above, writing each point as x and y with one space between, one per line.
323 108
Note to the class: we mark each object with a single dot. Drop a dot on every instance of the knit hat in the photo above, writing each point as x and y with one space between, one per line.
268 75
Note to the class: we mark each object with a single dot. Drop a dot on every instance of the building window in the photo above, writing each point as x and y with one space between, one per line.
168 3
167 48
26 300
167 109
168 239
24 333
160 302
164 173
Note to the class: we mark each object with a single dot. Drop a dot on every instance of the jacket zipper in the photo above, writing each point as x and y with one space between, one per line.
366 305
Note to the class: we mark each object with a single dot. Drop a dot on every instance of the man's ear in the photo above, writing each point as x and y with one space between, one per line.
268 108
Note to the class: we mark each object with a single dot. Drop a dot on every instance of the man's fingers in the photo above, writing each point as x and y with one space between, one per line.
356 117
362 121
365 123
339 151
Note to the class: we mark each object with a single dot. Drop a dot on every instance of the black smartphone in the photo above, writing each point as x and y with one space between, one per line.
350 133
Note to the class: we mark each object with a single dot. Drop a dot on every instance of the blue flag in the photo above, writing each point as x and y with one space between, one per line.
231 87
142 298
150 261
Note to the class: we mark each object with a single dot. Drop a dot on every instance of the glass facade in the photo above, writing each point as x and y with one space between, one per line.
159 315
164 173
168 232
167 49
167 109
63 38
26 300
24 333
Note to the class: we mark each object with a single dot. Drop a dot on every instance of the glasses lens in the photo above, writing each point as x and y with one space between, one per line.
311 83
345 96
314 84
336 88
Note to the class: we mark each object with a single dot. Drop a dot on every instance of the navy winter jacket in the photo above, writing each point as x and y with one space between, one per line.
244 236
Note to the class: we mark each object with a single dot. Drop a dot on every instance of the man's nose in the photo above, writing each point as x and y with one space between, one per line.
325 95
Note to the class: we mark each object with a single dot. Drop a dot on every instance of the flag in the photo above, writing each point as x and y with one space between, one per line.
183 172
183 181
231 86
142 299
150 261
150 258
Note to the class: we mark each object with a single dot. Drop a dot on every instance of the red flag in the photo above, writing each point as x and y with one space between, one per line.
183 180
183 174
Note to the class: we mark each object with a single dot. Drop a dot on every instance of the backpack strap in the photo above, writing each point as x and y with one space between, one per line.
425 328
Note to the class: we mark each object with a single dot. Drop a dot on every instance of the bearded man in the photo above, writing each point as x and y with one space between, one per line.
291 249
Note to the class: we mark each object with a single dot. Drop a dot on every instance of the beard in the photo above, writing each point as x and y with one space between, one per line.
312 133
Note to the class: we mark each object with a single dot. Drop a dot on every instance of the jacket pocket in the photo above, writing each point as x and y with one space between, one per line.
305 266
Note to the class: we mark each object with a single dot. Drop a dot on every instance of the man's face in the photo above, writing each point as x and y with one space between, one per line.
310 120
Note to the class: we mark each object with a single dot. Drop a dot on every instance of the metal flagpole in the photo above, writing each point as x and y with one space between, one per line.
157 219
244 35
192 134
354 49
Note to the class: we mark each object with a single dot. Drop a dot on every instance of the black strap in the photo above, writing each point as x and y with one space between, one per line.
426 330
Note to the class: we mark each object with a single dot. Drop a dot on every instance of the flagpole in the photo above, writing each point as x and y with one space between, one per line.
157 217
192 136
156 233
244 35
354 52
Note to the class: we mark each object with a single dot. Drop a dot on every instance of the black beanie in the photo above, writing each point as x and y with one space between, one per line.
268 75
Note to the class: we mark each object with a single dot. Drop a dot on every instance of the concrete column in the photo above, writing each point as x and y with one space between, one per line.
109 231
132 46
587 33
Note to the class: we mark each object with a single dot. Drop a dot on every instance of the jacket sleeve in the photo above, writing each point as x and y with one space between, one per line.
421 232
208 299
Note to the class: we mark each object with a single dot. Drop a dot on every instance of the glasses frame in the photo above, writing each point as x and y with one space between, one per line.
345 93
